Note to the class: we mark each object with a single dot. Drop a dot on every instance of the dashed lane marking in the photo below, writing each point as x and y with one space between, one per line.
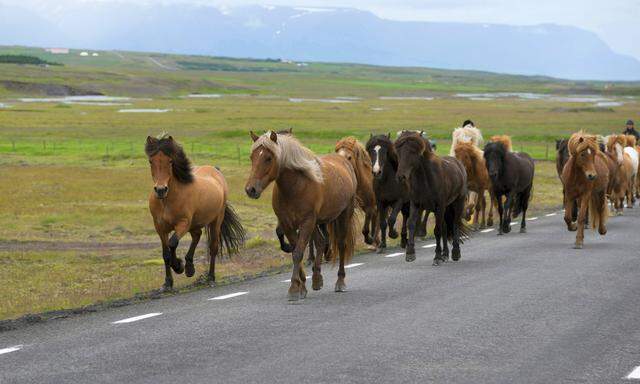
10 349
229 296
137 318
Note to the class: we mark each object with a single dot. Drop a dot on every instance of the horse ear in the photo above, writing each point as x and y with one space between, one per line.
150 139
290 130
254 137
274 137
581 140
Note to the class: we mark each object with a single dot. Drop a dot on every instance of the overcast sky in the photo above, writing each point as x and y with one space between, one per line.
617 22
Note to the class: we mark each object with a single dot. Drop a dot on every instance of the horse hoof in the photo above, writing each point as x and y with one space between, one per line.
340 286
403 243
393 234
303 292
409 257
602 231
316 282
437 262
166 288
455 254
294 296
189 269
577 246
380 250
523 230
179 267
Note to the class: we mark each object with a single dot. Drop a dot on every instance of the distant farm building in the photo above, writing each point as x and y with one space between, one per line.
84 53
94 54
58 51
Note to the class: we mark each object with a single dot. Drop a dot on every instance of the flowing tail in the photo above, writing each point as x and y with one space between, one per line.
451 220
232 234
342 233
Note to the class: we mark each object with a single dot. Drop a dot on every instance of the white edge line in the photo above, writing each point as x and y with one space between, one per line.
229 295
428 246
353 265
532 219
514 223
395 254
551 214
635 374
289 280
487 230
136 318
10 349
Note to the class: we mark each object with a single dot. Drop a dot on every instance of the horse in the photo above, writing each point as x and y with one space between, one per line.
186 199
468 133
478 182
623 171
562 156
630 149
355 152
585 179
389 193
511 175
308 191
437 185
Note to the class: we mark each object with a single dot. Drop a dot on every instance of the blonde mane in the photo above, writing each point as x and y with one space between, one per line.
466 134
290 154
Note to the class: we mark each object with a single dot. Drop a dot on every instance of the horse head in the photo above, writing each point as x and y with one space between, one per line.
411 148
583 148
383 155
494 155
264 163
168 162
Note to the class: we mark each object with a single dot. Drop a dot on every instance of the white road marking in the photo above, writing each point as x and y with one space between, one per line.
395 254
487 230
428 246
551 214
136 318
635 374
289 280
532 218
353 265
236 294
10 349
514 223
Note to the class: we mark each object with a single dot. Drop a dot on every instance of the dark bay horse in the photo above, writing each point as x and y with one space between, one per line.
585 180
511 175
186 199
437 185
390 194
308 191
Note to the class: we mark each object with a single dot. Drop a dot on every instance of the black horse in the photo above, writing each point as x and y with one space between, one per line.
511 175
437 185
389 193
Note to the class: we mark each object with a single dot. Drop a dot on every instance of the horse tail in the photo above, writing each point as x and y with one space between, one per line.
598 210
342 232
232 234
451 220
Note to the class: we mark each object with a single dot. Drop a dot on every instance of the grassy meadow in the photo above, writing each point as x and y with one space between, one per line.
75 181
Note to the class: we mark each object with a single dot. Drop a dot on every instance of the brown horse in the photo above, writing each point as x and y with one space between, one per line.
186 199
477 181
354 151
308 191
623 171
585 179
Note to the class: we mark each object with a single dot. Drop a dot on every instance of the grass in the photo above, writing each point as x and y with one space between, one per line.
78 174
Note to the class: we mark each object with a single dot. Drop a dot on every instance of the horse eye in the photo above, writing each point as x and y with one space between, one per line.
268 160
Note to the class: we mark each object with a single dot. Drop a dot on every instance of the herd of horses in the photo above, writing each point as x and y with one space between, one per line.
316 197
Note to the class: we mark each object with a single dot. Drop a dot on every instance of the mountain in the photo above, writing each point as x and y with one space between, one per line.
320 34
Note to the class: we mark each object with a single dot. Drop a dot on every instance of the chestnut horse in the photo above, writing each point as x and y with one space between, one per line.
562 156
437 185
585 179
478 181
630 149
308 191
623 172
511 176
186 199
354 151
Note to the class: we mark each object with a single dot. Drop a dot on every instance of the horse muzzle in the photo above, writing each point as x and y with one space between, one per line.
253 192
591 176
161 191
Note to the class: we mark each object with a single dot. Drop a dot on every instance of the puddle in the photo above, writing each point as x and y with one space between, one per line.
405 98
538 96
4 106
352 98
609 104
149 110
481 98
335 101
75 99
203 96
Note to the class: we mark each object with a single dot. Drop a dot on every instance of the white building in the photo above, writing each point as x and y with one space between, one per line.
84 53
58 51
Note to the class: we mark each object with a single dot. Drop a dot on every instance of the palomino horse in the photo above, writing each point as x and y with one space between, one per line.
623 171
478 181
437 185
186 199
389 193
511 176
308 191
585 179
468 133
354 151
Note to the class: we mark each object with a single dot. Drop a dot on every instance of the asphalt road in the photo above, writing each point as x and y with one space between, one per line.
519 308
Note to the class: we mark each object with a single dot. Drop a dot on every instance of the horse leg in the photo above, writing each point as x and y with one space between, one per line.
524 201
382 218
483 213
297 290
375 226
414 216
444 235
584 203
179 231
568 213
441 236
166 256
397 206
600 203
492 203
326 248
312 248
406 213
189 269
284 246
458 208
316 278
214 247
368 217
506 220
421 230
478 211
500 214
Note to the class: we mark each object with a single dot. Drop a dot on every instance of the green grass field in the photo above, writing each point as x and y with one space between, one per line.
77 173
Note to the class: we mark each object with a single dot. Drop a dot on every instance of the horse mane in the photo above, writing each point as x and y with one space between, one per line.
631 141
411 136
362 156
180 165
384 141
495 147
291 154
504 140
615 143
581 141
468 133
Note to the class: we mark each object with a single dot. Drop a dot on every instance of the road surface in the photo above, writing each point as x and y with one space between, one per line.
519 308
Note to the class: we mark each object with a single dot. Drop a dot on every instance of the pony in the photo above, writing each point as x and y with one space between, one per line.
511 175
437 185
630 149
585 179
308 191
186 199
504 139
623 172
562 156
468 133
389 193
478 181
355 152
